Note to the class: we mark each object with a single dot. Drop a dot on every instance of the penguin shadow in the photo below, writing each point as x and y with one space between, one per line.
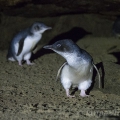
99 66
74 34
102 75
117 55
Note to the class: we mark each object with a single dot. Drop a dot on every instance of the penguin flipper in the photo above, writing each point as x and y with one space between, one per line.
59 71
20 48
98 74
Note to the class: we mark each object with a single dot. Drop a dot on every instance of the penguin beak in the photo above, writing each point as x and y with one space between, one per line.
47 28
44 29
48 47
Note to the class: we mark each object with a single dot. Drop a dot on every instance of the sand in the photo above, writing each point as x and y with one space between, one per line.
31 92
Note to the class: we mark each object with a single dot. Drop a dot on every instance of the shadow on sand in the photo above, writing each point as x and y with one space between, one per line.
74 34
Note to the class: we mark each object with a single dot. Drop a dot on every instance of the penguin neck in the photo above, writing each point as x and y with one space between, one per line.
75 61
36 37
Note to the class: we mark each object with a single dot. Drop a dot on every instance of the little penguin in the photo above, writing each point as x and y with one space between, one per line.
25 41
77 71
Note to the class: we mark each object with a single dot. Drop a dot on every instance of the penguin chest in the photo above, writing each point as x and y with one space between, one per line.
76 77
29 43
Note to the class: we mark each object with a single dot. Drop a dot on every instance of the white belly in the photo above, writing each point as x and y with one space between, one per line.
29 43
74 78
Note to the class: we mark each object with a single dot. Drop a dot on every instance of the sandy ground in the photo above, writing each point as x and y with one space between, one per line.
31 92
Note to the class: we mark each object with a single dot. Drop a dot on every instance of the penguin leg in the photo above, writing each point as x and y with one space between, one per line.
65 80
29 63
20 62
27 58
66 84
19 59
83 94
83 87
68 94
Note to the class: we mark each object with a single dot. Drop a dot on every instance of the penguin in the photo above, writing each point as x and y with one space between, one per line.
77 71
24 42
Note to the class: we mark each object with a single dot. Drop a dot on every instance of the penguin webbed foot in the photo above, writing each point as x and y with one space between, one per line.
83 94
29 63
20 63
71 96
68 95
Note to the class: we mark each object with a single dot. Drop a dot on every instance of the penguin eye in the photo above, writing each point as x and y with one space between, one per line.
36 28
58 45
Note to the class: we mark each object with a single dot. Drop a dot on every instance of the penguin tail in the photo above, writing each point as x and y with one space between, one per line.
10 56
11 59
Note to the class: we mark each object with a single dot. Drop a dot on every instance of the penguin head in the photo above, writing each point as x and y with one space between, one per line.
64 47
38 28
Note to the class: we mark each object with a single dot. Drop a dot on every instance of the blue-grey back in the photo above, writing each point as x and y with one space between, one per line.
19 36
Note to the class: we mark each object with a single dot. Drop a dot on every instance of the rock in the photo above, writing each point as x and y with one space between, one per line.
30 8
